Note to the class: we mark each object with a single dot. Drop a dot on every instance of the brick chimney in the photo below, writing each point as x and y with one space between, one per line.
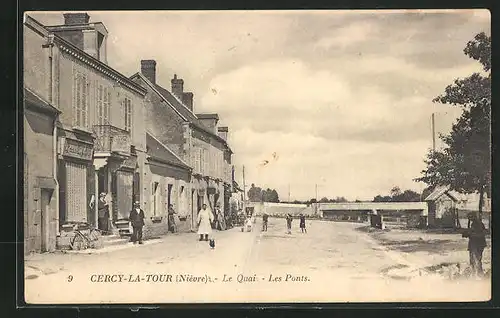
187 99
178 87
76 18
148 69
209 120
222 132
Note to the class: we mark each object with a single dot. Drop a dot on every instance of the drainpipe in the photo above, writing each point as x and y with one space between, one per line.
50 45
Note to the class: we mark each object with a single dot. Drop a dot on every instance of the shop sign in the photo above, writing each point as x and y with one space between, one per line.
77 149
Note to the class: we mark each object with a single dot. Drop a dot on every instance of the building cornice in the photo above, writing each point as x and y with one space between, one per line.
80 55
94 63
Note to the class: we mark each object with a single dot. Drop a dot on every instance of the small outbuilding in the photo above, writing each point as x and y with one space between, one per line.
443 210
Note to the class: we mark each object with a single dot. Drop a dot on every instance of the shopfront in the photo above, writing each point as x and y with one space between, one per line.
75 161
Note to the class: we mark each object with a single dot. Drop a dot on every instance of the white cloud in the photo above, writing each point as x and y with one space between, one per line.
347 36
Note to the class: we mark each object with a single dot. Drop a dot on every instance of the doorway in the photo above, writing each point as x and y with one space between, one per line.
46 195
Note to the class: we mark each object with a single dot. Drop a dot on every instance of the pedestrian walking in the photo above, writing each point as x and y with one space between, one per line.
172 226
477 243
303 223
265 218
103 214
136 218
289 220
204 220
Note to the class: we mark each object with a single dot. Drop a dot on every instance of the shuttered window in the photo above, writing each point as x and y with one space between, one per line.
81 87
103 105
124 193
155 198
127 108
76 192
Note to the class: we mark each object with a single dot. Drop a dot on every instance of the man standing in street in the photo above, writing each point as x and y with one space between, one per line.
289 220
265 217
477 243
136 218
303 223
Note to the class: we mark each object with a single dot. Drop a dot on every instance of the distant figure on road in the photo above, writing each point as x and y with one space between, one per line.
477 243
289 220
303 223
136 218
205 219
265 218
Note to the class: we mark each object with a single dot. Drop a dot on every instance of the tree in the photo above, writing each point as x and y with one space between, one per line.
274 196
254 193
464 164
323 200
395 192
380 198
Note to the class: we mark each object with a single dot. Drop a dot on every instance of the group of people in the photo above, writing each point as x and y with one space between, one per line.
289 219
302 224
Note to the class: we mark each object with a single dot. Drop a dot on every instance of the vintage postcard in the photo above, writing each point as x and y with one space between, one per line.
256 156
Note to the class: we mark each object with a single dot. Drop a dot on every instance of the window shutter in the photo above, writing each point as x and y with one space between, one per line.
108 106
100 110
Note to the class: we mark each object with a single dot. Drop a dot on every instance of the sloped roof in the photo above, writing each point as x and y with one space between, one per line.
182 110
160 152
439 191
34 100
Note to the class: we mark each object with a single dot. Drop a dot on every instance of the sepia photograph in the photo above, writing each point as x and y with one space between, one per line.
298 156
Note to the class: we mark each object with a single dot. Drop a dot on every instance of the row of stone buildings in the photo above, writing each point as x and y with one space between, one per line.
89 129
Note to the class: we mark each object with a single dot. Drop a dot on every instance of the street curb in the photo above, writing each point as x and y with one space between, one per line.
116 247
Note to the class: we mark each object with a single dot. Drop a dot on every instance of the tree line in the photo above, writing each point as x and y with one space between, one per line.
257 194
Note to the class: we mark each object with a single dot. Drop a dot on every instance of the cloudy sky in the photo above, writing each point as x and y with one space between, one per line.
343 98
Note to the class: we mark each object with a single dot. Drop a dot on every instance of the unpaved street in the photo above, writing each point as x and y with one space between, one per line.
333 262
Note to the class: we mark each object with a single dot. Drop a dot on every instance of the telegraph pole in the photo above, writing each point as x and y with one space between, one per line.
244 186
288 193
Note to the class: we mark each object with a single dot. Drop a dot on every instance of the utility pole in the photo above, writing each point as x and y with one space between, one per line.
289 193
433 133
316 189
244 186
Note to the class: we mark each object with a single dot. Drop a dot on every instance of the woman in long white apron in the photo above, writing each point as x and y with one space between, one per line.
205 219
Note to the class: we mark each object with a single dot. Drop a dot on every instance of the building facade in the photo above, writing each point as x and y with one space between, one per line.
194 138
100 135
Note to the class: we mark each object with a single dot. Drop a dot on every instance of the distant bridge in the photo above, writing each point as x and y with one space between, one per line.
373 206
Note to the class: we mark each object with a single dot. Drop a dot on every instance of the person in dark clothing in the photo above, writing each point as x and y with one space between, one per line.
265 218
136 218
103 214
289 220
477 243
303 223
172 226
